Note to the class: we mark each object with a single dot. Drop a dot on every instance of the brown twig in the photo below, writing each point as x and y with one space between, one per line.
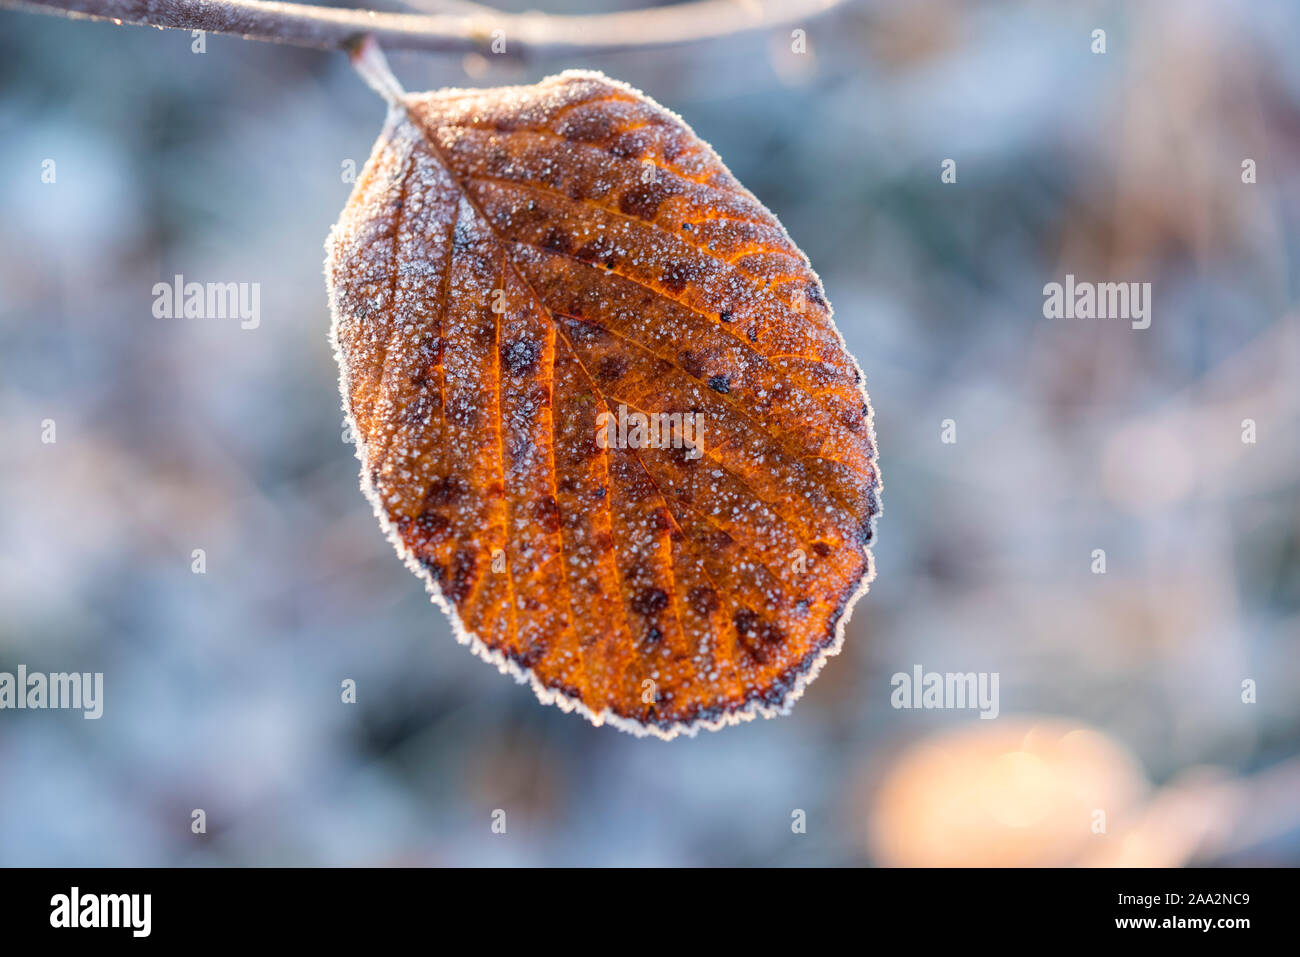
473 28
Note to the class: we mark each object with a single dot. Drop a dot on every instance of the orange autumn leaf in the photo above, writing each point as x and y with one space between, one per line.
600 403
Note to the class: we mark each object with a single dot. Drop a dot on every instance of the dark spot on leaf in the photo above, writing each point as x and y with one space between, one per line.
590 251
432 525
643 201
625 147
865 531
581 332
611 368
423 536
678 275
418 411
588 126
520 357
703 600
548 514
464 574
650 601
692 363
446 491
557 241
755 634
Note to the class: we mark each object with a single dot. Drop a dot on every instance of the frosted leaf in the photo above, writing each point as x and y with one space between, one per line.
514 263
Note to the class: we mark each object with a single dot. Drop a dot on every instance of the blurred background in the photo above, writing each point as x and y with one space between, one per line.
1120 692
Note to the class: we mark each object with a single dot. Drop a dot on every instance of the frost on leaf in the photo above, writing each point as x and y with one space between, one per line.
512 264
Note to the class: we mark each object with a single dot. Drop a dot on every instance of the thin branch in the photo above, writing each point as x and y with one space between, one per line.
467 30
463 7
